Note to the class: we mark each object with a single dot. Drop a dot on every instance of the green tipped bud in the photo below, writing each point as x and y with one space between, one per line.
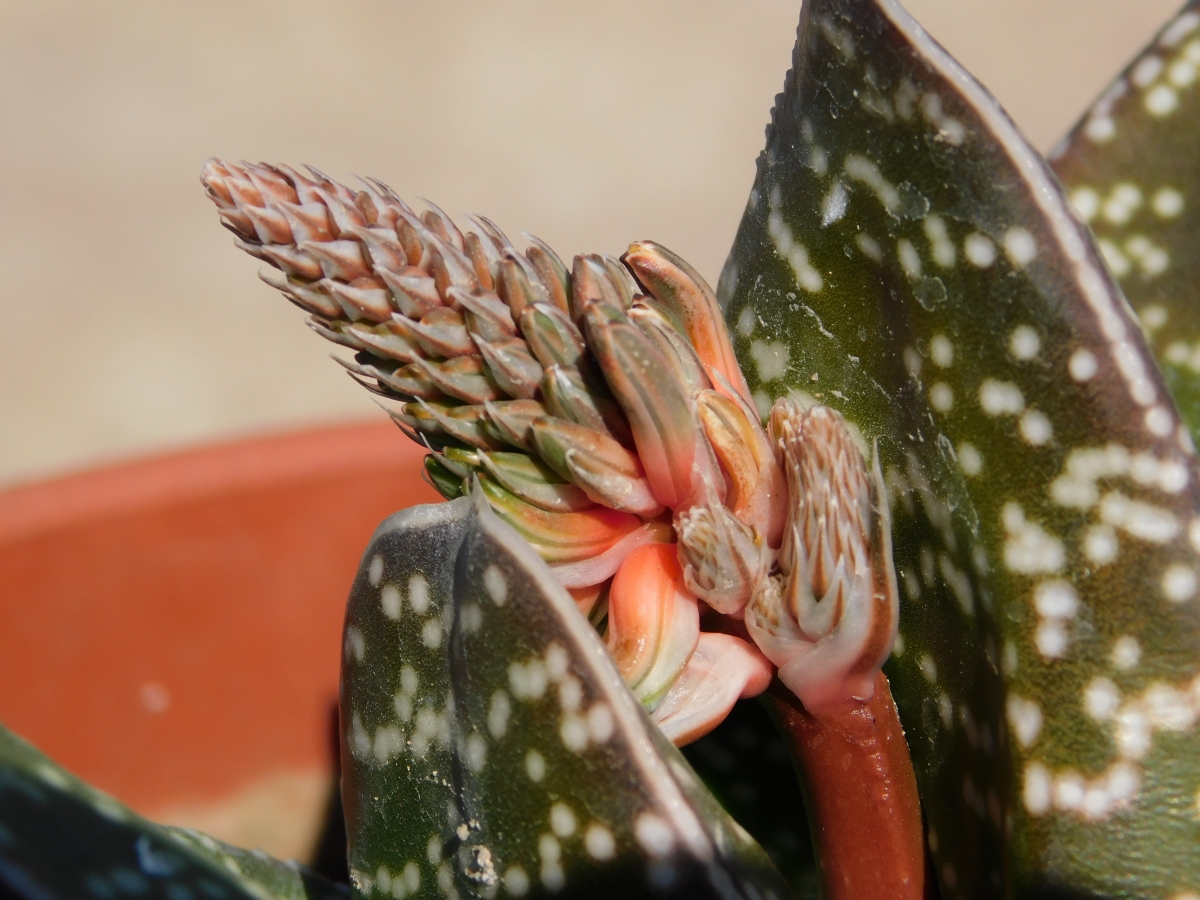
478 252
468 424
560 537
653 624
673 345
511 366
464 377
513 421
723 560
309 296
520 285
484 314
679 287
407 380
365 298
390 339
757 489
413 292
460 461
535 482
551 271
568 396
591 280
678 461
606 471
552 336
442 332
443 480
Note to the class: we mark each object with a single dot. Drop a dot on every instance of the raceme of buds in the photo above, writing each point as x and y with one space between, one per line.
828 620
600 409
574 393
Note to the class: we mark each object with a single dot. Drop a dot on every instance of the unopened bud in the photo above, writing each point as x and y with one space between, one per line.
653 623
829 621
723 560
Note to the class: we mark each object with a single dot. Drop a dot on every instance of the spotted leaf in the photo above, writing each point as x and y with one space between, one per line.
61 839
906 257
490 745
744 762
1132 172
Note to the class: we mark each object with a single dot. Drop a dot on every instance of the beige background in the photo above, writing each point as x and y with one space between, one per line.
129 323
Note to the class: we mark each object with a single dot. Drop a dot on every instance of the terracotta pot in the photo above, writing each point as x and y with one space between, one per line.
170 628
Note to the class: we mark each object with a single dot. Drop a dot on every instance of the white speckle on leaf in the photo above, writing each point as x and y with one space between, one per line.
941 397
910 260
1035 428
535 766
1101 699
495 584
1000 398
1024 343
654 835
418 594
599 842
969 459
562 820
498 712
1126 653
1082 365
979 250
1025 719
389 599
1161 100
771 359
1019 246
1100 544
1179 583
833 207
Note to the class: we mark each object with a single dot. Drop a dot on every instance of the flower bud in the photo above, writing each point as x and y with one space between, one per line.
829 620
653 623
723 560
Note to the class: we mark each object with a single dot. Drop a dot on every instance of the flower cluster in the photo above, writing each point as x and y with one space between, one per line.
602 412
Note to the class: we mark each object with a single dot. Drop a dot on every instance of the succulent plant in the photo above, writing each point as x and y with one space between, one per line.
917 426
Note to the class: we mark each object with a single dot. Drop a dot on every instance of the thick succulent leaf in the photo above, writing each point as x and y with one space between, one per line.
1132 170
492 747
61 839
744 762
907 258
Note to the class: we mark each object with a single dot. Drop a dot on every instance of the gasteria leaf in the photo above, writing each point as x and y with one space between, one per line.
491 745
1132 172
907 258
61 839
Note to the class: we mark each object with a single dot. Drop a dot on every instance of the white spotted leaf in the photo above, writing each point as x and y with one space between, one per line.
907 257
61 839
1132 172
491 745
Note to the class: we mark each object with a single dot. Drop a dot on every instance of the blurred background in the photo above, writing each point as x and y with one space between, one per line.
131 324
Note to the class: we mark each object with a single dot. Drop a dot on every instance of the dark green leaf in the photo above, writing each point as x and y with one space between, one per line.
491 745
61 839
1132 171
906 257
746 765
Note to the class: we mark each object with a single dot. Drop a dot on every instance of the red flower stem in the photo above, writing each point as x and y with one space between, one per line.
860 793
